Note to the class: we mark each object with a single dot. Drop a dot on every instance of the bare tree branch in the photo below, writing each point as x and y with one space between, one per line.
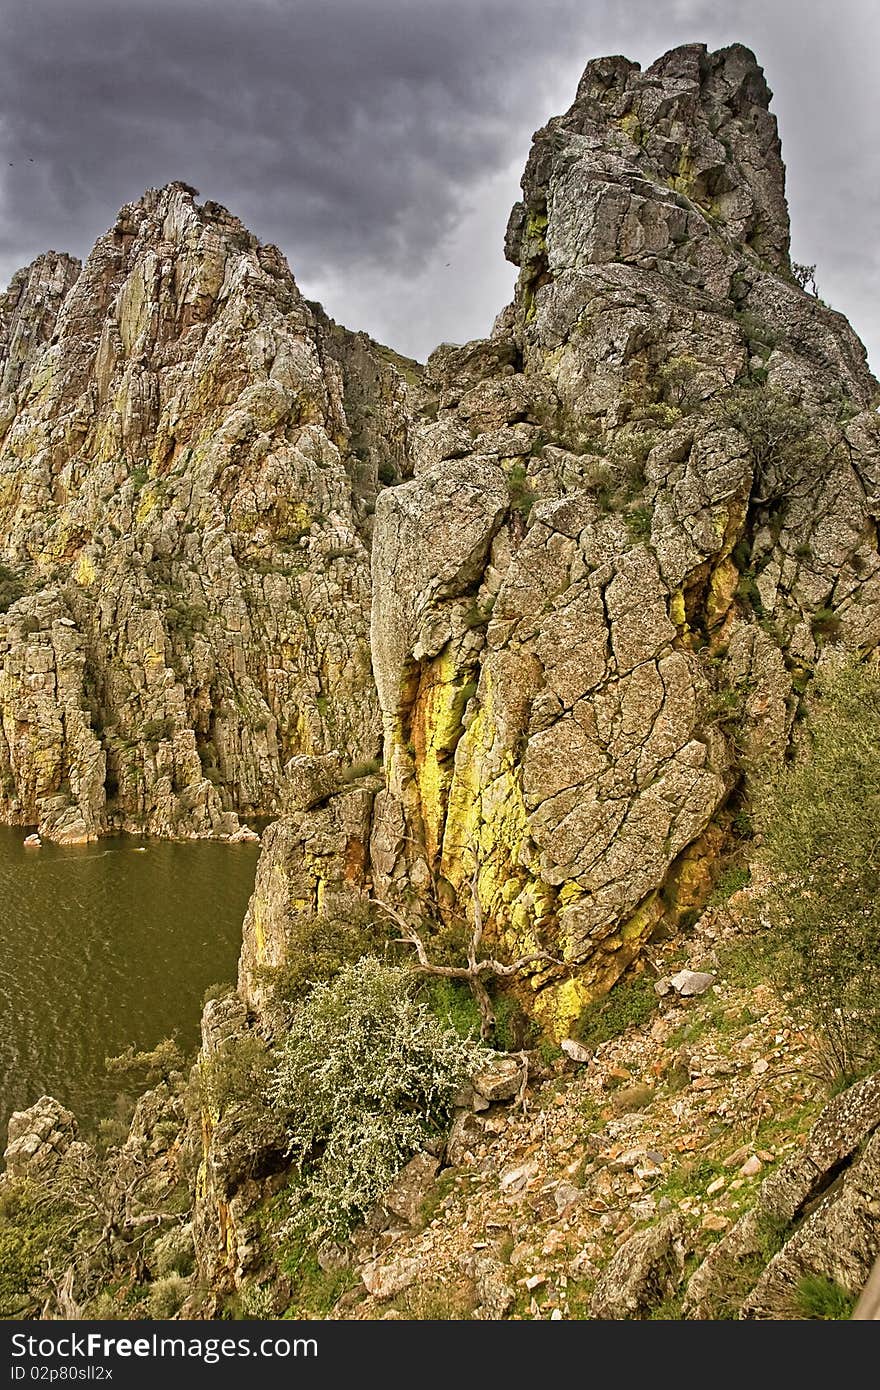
474 972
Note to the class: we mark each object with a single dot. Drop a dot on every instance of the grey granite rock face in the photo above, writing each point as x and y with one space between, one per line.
573 682
38 1138
644 1270
314 867
816 1215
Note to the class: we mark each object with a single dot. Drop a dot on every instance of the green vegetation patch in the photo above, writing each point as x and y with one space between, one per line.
12 588
31 1233
317 949
630 1004
820 822
819 1297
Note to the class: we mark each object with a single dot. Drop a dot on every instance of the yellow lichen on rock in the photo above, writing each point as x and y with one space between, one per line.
722 590
435 729
85 571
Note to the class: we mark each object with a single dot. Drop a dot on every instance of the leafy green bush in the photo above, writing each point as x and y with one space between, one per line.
638 520
629 1004
365 1075
521 495
453 1003
730 881
678 380
387 473
820 820
11 588
217 991
30 1234
173 1252
166 1296
235 1075
781 436
455 1006
317 949
149 1068
256 1301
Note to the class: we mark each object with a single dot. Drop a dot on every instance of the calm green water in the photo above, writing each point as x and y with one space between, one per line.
105 945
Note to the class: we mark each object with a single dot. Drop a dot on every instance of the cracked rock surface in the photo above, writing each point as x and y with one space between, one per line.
572 684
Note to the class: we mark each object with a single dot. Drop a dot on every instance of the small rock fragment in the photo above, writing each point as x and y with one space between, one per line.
515 1179
500 1080
385 1280
714 1221
689 983
565 1196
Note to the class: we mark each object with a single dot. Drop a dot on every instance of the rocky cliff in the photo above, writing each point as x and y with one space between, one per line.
190 459
571 582
637 513
606 544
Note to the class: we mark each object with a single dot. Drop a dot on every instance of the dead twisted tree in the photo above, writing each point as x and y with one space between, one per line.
477 970
104 1218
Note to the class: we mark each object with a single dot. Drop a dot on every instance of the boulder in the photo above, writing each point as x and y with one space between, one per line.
405 1197
387 1278
644 1271
500 1080
688 983
38 1138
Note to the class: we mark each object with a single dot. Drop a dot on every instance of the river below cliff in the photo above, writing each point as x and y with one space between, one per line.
105 945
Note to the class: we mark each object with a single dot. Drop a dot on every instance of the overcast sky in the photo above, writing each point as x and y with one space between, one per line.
380 142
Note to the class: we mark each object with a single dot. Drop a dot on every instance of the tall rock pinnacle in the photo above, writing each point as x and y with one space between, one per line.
186 488
640 511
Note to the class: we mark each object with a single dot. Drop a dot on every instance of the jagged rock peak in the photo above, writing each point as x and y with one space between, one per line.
29 309
171 214
189 459
561 594
698 122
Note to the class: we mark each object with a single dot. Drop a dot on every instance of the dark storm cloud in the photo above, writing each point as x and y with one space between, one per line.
380 142
348 128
